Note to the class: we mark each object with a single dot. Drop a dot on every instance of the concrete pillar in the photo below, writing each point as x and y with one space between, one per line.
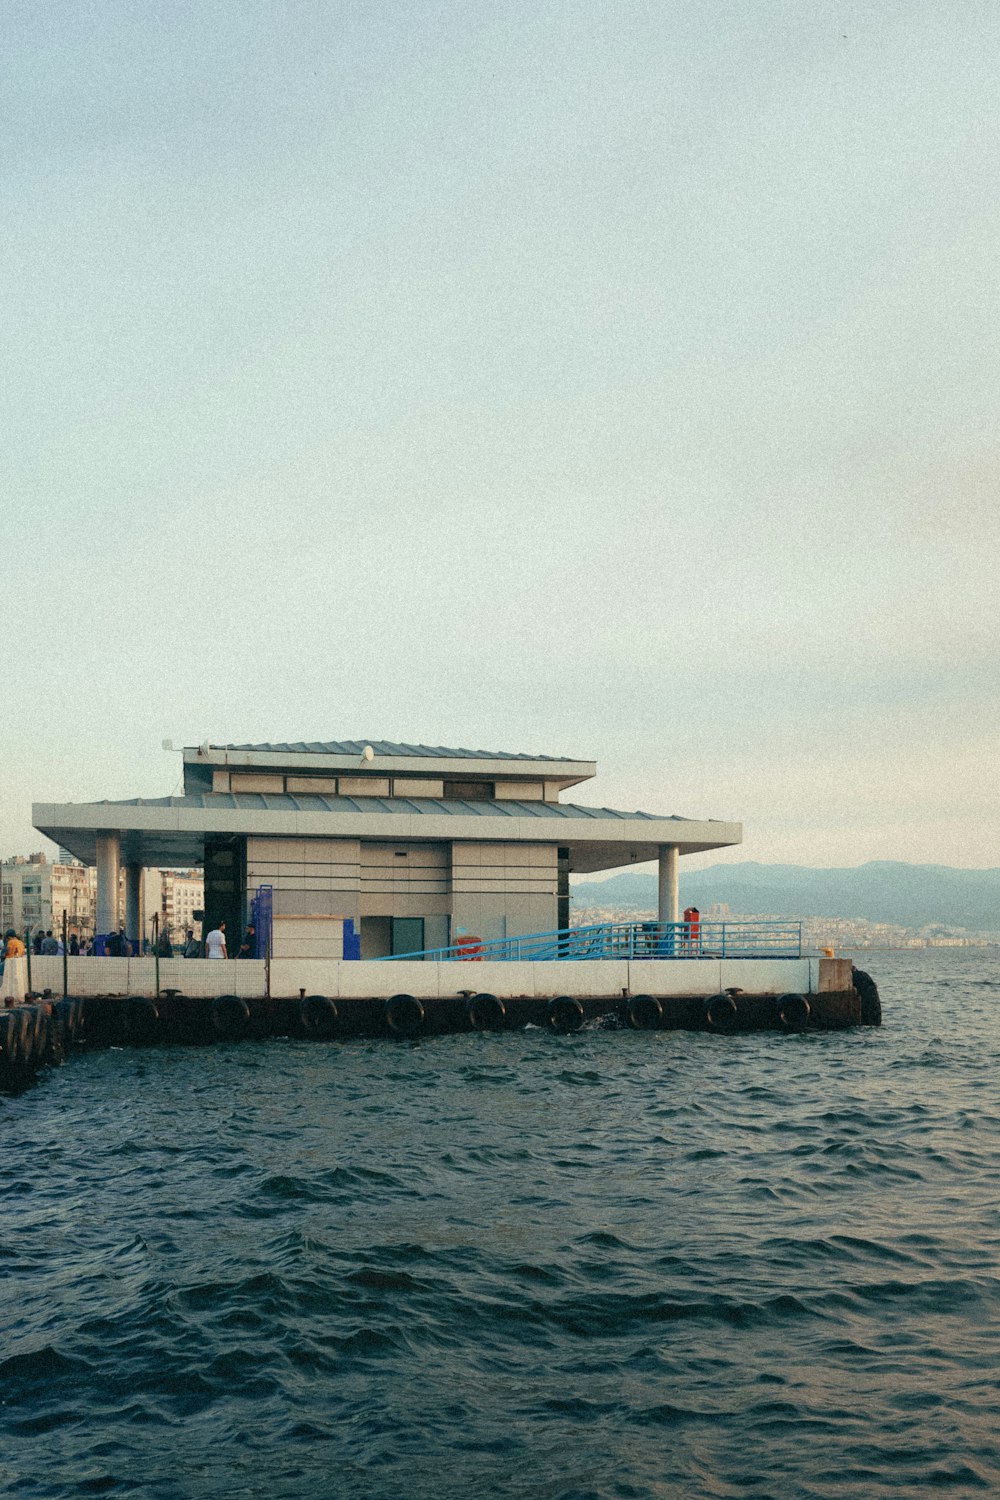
133 906
668 906
109 855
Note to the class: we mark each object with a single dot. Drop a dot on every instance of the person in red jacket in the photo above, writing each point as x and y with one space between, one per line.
692 929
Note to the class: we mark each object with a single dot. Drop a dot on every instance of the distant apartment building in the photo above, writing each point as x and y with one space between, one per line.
175 895
35 893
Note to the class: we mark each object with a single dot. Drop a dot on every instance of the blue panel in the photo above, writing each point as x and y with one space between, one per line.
352 939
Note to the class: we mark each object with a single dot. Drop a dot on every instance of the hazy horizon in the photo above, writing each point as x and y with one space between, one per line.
615 381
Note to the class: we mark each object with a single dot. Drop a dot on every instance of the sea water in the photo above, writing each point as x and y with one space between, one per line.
613 1264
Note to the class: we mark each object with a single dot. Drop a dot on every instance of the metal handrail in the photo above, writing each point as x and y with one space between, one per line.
631 940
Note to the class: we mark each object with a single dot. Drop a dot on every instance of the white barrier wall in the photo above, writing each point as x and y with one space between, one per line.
14 984
362 979
137 976
671 976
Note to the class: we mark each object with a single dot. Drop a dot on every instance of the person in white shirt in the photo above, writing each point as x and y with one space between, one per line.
215 943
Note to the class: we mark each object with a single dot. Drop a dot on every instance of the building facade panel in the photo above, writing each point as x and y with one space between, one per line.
503 890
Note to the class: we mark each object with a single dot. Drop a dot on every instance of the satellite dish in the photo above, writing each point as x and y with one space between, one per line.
367 754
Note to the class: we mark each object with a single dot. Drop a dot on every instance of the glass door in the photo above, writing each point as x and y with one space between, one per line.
407 935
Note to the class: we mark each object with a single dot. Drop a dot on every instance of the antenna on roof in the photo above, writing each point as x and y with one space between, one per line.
367 755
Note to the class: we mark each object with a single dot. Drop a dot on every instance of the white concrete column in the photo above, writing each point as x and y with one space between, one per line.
668 905
109 855
133 906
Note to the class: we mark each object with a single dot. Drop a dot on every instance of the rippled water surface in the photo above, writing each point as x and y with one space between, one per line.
611 1264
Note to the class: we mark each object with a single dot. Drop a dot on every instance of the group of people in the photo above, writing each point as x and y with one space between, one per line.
216 946
117 945
42 942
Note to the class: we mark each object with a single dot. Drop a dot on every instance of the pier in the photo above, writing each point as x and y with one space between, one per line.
405 1001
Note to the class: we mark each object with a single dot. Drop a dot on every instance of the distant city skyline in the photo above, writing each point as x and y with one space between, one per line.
609 380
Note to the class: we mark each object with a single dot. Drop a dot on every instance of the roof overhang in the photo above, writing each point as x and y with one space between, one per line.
153 835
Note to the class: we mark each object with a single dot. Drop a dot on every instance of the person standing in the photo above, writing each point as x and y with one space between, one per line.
248 947
74 945
192 947
215 943
49 945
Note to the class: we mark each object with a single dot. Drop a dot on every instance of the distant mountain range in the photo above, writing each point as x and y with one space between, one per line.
883 891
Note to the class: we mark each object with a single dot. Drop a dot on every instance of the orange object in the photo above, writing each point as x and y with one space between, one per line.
692 934
470 949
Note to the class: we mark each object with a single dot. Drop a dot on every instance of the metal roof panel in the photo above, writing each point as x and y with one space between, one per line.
390 748
453 807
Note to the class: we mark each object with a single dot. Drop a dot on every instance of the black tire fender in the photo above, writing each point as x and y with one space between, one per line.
485 1013
318 1015
35 1035
721 1012
142 1018
24 1035
230 1015
8 1038
794 1012
565 1014
867 991
404 1016
644 1012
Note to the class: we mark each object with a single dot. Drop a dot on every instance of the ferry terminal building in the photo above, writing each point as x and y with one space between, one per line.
417 846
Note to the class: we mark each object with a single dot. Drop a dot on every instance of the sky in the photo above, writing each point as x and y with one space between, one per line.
604 378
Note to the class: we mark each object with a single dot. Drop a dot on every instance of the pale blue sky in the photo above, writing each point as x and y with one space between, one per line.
603 379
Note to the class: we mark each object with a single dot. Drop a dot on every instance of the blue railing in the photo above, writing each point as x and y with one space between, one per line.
633 940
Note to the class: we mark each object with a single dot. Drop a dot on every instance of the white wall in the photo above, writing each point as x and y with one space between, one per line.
337 978
137 976
15 979
679 976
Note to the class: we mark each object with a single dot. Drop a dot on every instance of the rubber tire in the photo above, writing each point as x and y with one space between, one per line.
404 1017
721 1012
867 992
51 1050
8 1037
37 1033
230 1016
565 1014
142 1019
644 1013
62 1013
318 1016
485 1013
70 1012
794 1012
24 1036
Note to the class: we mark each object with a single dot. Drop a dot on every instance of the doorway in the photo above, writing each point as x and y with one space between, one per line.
385 937
407 935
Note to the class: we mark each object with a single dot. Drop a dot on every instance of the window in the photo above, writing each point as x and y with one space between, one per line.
469 791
